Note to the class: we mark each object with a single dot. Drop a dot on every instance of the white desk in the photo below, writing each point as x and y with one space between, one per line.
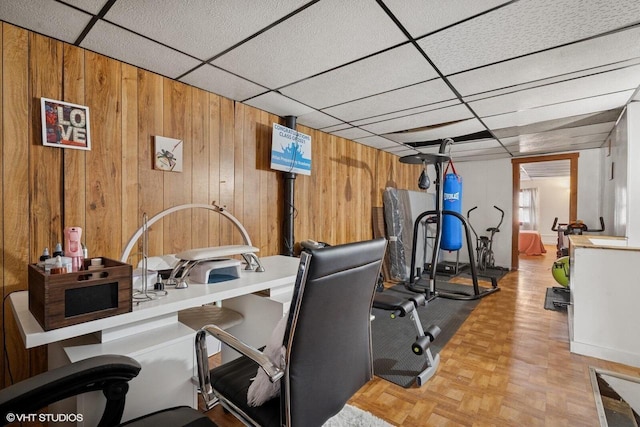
152 335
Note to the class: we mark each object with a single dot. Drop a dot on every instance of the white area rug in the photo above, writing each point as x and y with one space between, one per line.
350 416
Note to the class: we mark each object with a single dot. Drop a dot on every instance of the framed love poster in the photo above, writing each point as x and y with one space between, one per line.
65 125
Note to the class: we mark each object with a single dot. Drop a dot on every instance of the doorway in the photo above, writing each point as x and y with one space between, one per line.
573 194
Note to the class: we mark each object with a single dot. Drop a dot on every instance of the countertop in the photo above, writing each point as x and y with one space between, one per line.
601 242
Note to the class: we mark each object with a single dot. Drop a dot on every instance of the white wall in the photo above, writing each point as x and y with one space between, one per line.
484 184
553 201
633 174
614 189
590 204
621 183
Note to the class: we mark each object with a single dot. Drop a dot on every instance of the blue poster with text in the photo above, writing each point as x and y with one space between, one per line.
290 150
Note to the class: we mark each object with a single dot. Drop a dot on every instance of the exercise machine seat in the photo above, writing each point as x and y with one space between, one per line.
408 306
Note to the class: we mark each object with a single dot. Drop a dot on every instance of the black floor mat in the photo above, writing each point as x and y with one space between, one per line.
488 273
557 299
392 338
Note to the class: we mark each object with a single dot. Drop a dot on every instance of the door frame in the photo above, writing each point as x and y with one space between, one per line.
573 194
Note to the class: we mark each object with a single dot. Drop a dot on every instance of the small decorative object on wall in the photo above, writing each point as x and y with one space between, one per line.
168 154
611 176
65 125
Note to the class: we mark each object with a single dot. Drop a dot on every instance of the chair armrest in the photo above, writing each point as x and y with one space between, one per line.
109 373
202 360
273 372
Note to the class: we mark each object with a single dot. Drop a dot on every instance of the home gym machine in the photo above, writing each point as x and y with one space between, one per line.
401 307
436 216
560 268
565 229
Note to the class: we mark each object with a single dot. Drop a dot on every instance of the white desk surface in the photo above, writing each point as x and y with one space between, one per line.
279 271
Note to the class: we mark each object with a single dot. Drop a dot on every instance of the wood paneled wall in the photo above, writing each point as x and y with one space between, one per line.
106 190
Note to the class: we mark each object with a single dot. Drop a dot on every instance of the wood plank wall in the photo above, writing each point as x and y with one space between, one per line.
106 190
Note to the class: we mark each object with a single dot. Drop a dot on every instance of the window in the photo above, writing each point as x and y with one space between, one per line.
527 209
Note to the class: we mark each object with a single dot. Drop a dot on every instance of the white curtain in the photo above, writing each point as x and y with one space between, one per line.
528 209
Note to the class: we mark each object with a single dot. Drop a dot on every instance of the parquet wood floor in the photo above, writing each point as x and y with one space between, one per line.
508 365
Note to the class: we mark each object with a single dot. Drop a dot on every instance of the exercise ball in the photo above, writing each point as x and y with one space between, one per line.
560 271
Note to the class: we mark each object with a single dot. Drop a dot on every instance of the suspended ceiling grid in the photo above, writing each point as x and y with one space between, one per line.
501 78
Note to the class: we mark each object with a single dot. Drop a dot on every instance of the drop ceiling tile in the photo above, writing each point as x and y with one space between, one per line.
125 46
352 133
415 121
214 80
401 151
530 144
455 156
483 158
279 105
404 113
91 6
449 131
323 36
413 96
201 28
459 147
608 117
553 80
525 27
318 120
420 17
377 142
556 111
584 56
395 68
432 149
47 17
510 141
337 127
581 131
581 88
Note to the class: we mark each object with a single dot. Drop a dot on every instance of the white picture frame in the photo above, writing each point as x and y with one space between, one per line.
167 154
65 125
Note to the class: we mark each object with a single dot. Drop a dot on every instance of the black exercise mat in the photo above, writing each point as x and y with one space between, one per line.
393 359
486 274
445 286
556 299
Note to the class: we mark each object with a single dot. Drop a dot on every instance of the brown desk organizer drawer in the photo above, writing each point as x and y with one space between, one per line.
58 300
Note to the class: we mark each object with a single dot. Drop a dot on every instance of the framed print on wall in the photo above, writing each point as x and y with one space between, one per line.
65 125
168 154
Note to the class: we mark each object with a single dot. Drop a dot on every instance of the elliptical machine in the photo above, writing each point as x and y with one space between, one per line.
484 244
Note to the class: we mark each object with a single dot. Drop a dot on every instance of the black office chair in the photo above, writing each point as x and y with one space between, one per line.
327 341
108 373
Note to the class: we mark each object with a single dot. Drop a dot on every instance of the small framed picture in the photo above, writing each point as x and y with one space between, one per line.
65 125
168 154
